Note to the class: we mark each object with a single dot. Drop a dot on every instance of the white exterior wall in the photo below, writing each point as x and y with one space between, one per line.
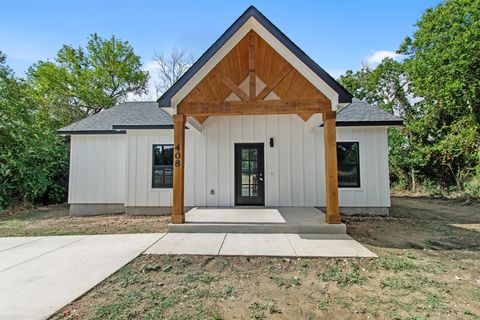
294 167
97 169
118 168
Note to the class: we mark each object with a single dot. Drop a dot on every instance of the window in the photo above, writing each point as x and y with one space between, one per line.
348 165
162 166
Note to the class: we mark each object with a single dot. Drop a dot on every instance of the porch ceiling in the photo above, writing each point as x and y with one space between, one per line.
284 90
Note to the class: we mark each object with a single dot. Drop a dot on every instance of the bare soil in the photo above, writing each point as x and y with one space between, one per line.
427 269
54 220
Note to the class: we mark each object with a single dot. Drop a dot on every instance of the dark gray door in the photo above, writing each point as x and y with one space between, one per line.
249 174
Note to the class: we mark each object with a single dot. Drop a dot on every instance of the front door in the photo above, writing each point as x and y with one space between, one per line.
249 175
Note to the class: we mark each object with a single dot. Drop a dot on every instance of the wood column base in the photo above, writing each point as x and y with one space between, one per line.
178 219
333 218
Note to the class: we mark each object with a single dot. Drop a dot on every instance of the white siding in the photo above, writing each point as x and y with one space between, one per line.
97 169
294 167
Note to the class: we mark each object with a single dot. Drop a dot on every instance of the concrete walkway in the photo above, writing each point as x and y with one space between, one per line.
39 275
258 244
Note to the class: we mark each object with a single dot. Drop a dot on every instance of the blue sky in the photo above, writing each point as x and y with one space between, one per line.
338 35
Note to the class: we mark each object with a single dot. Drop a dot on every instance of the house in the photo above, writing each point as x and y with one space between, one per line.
254 122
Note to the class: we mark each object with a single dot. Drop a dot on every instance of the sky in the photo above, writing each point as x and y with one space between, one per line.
338 34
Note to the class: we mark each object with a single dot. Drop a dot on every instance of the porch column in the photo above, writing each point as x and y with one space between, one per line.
178 214
331 175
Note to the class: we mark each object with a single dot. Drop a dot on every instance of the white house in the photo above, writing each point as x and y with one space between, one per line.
255 108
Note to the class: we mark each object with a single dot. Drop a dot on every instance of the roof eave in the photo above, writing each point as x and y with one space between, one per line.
84 132
387 123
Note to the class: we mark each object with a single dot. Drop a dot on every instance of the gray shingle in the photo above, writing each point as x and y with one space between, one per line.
147 115
361 113
123 116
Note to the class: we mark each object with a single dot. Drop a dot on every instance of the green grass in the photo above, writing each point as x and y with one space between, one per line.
192 277
286 282
343 277
396 263
258 309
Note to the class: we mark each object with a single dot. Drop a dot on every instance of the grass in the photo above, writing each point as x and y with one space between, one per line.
426 270
343 276
56 221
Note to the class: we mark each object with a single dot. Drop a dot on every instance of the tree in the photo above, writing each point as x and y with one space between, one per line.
171 68
443 65
33 159
387 87
85 81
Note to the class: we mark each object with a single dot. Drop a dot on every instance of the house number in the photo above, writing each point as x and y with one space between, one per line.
178 155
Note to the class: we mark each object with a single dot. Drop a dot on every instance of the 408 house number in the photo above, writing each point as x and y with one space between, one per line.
178 156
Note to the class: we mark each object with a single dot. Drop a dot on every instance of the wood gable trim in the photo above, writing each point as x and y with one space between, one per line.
251 19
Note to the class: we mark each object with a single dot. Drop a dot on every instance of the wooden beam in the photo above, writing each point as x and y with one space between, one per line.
269 88
178 214
201 119
305 116
252 55
198 109
331 175
231 85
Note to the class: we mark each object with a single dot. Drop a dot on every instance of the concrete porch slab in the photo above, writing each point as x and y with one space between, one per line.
234 215
256 220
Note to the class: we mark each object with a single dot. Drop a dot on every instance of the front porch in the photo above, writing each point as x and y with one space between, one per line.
253 79
298 220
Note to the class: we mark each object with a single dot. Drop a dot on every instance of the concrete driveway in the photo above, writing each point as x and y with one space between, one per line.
39 275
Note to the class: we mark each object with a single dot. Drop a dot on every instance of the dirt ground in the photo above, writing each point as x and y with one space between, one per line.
54 221
427 269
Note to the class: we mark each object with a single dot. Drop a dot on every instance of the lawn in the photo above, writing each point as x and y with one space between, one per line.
428 268
55 221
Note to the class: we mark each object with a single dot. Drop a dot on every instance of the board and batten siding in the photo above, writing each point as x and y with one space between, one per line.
97 169
294 167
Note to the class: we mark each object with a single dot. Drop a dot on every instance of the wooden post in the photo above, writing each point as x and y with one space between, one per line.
331 175
178 214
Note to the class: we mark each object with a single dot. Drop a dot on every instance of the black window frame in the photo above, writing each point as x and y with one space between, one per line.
357 164
162 167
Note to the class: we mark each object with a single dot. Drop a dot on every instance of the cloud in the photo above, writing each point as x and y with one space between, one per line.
377 56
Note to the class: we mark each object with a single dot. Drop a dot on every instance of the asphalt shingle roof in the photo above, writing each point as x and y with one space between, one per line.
148 115
361 113
127 115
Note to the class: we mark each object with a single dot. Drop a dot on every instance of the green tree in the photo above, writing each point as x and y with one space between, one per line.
85 81
33 159
443 67
386 87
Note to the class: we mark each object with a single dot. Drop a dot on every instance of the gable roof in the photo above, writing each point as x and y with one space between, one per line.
343 95
147 115
126 115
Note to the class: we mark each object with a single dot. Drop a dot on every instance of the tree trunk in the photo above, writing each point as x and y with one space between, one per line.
414 182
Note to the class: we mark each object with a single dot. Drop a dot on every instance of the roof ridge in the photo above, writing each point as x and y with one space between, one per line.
343 94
